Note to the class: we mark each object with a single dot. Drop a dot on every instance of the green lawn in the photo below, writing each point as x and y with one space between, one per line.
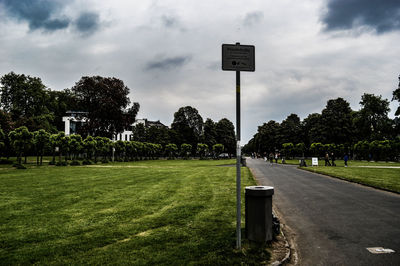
149 212
388 179
321 162
362 172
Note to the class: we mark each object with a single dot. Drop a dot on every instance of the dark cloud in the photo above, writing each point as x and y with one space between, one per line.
379 15
40 14
168 63
88 23
253 18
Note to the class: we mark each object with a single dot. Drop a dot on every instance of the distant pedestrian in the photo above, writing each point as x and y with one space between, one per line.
346 158
271 158
327 163
333 159
276 157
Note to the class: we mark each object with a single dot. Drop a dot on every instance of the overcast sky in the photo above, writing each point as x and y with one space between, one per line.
169 52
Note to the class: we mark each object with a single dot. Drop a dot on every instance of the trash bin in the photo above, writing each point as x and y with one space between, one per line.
258 212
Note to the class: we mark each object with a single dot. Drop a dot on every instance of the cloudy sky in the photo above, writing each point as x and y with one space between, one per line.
169 52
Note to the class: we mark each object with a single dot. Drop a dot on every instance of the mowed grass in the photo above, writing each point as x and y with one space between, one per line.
382 178
374 174
321 162
150 212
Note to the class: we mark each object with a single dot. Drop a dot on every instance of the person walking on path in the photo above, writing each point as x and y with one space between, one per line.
333 159
346 158
327 163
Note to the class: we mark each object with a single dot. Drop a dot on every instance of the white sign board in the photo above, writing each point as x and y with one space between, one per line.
237 57
314 161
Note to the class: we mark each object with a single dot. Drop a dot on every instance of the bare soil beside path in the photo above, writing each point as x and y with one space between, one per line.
333 221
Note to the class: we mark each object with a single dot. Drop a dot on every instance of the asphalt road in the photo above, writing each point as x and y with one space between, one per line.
333 221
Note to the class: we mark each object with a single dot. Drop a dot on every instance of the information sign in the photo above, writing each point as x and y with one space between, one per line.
236 57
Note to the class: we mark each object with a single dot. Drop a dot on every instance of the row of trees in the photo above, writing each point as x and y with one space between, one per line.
26 101
363 150
23 142
337 124
188 127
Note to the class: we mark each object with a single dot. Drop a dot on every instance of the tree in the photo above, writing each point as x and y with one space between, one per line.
106 101
75 145
64 147
157 135
317 149
41 140
290 130
300 149
372 120
186 150
312 128
202 150
188 124
54 145
99 147
89 144
218 149
210 133
336 121
59 102
226 135
2 141
267 137
21 140
396 97
6 122
288 149
171 150
26 99
139 132
120 147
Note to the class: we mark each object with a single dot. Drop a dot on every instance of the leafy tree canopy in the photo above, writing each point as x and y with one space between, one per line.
107 103
188 124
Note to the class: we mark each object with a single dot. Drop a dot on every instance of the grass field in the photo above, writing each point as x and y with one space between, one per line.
383 178
321 162
375 174
149 212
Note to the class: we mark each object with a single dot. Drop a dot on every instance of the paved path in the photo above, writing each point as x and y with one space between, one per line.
334 221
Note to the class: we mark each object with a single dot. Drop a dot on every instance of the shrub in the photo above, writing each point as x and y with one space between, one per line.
104 161
87 162
52 163
75 162
62 163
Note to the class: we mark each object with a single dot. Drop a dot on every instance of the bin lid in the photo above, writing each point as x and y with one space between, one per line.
259 191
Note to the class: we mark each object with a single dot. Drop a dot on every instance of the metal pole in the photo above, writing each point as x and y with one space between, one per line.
238 158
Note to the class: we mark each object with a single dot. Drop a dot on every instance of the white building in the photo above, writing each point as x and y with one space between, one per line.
75 119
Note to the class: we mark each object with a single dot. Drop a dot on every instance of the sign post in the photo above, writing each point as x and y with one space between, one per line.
236 57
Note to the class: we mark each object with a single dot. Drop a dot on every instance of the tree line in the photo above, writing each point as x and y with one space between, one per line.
367 133
74 147
31 113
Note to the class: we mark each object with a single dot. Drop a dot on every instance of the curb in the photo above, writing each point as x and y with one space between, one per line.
287 256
